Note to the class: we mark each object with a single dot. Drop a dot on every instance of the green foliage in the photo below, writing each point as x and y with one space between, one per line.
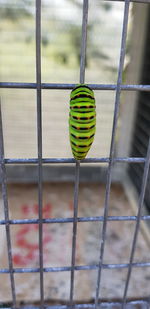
45 40
106 6
61 39
74 32
22 8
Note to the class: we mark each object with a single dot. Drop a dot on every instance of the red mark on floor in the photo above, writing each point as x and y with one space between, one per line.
28 210
27 237
71 206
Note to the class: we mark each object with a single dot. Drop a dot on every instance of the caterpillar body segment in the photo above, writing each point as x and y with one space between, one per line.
82 120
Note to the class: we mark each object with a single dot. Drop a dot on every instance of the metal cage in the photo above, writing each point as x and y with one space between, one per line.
110 161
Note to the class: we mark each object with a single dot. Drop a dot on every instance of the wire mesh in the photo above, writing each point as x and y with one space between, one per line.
111 160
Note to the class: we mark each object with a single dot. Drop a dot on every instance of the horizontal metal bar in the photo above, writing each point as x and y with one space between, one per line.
60 86
70 220
71 160
68 268
137 1
19 6
103 304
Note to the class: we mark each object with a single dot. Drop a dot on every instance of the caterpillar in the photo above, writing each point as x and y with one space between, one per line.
82 120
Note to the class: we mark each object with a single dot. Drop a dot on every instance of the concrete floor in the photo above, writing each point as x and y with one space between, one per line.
57 238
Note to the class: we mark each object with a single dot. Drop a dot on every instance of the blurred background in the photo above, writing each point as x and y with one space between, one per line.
61 39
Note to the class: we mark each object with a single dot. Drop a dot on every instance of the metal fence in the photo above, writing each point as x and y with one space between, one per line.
111 160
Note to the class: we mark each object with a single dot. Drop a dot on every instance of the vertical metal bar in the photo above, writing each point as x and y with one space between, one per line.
74 234
77 173
135 236
39 141
6 211
84 40
112 147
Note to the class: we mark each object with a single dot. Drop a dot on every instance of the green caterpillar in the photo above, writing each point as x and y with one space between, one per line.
82 120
